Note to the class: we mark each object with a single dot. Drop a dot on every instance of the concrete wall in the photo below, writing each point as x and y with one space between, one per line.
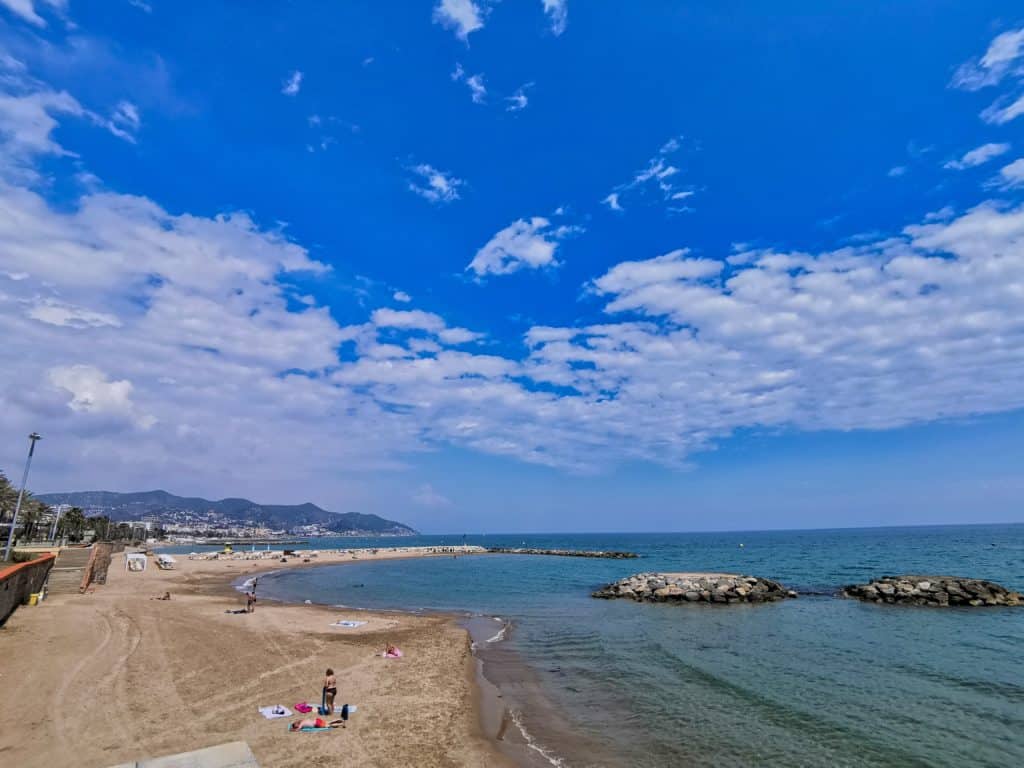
19 581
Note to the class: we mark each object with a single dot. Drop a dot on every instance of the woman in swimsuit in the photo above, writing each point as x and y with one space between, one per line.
330 690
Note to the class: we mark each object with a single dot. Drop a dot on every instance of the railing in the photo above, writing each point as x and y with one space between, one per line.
19 581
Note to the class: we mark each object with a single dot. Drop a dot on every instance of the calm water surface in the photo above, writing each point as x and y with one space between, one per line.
808 682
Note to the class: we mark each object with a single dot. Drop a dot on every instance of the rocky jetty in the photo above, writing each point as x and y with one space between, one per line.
562 552
722 588
939 591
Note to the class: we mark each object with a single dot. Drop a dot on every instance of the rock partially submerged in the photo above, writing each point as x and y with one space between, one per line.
721 588
939 591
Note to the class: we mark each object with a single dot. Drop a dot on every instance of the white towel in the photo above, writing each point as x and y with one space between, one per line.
272 713
348 624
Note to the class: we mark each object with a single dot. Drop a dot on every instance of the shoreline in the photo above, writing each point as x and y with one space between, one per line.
500 722
116 676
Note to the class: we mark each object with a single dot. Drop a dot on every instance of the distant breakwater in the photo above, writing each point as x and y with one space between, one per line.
611 555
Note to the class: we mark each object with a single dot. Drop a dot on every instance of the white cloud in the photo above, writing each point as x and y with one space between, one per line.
11 64
415 319
475 83
1003 111
27 10
1001 60
632 275
427 496
293 84
182 345
522 244
402 296
461 16
518 100
1011 175
418 320
612 201
978 156
659 174
93 393
142 5
996 63
434 185
55 312
558 13
125 121
896 171
27 122
897 331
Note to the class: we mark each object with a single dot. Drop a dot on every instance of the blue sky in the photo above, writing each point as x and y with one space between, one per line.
513 266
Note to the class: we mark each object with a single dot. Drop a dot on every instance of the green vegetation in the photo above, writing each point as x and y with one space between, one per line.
35 519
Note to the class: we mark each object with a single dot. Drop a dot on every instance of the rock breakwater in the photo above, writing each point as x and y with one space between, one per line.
721 588
612 555
937 591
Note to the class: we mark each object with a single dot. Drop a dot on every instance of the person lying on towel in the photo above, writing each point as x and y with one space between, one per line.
313 722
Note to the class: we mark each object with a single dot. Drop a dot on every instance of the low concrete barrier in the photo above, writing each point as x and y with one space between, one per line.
19 581
234 754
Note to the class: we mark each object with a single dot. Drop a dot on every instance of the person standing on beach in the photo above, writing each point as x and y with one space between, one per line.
250 602
330 690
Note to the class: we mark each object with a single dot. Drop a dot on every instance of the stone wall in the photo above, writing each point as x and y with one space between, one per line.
17 582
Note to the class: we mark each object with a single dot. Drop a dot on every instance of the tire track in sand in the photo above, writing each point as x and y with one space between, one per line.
60 696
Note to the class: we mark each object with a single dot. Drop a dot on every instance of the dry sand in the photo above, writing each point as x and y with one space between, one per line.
112 676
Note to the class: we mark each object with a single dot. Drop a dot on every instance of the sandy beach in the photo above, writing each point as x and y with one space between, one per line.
112 676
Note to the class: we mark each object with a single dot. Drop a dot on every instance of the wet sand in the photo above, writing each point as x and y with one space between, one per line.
113 676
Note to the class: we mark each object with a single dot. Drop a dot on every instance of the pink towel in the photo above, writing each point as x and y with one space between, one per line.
303 707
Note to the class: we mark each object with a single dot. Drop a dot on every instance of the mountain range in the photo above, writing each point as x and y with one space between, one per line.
166 506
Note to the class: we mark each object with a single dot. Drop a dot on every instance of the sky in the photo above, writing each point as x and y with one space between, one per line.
544 265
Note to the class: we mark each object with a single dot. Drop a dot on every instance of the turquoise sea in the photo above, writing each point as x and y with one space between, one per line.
816 681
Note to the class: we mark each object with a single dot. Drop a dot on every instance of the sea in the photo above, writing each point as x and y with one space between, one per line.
816 681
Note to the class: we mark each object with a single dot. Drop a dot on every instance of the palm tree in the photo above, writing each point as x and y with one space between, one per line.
100 525
8 497
72 524
32 511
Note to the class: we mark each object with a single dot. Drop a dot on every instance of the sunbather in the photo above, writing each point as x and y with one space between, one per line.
314 722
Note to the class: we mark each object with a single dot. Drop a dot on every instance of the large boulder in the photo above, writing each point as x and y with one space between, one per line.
718 588
937 591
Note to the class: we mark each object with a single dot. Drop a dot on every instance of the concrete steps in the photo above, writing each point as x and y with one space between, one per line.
66 574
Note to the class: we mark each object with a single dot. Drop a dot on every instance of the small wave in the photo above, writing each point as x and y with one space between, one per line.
500 636
246 585
532 744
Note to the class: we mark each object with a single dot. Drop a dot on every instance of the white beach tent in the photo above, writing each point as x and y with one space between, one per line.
134 561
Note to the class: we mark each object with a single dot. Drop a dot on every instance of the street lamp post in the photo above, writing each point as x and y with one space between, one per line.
21 494
56 519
